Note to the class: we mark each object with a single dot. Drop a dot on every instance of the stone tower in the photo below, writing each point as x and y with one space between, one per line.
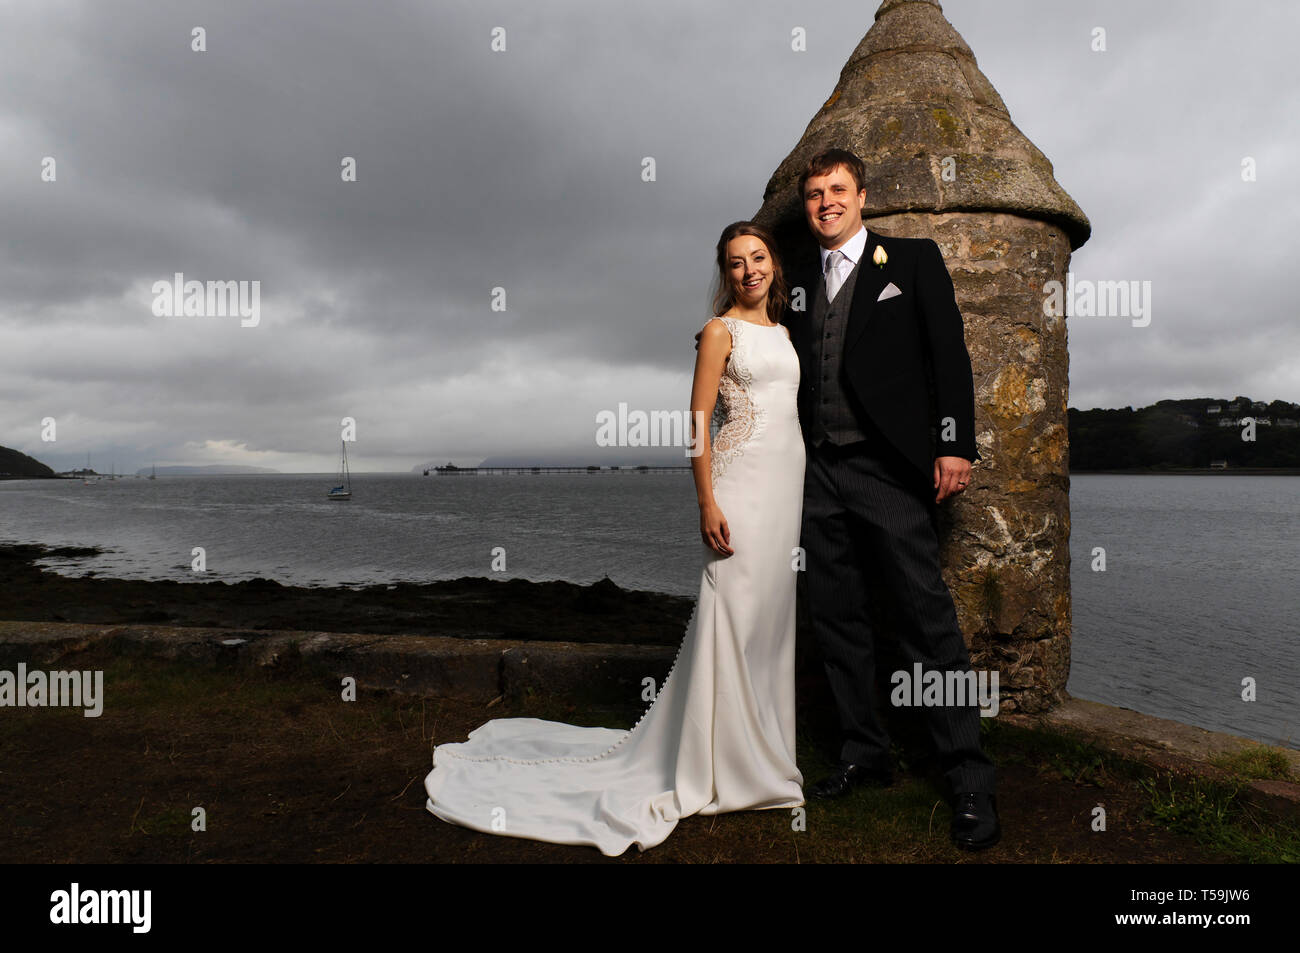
945 161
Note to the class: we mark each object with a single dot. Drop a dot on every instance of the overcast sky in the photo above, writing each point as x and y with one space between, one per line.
521 169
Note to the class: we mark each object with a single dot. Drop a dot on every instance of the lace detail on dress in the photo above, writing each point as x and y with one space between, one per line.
738 419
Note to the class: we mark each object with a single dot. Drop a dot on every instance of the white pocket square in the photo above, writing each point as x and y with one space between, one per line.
891 291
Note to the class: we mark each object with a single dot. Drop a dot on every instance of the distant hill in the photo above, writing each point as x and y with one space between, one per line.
19 466
1195 432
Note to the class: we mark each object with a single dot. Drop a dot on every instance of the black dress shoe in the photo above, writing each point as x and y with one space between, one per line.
975 821
849 776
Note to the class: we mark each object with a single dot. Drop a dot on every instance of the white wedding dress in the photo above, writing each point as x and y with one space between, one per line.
720 734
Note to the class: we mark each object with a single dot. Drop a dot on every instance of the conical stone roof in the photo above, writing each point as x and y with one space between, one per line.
910 97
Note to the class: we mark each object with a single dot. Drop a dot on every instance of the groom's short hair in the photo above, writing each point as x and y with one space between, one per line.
823 163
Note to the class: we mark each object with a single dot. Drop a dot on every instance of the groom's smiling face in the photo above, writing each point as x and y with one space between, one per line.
833 206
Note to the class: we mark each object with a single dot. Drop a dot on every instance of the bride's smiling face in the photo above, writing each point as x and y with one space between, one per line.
749 269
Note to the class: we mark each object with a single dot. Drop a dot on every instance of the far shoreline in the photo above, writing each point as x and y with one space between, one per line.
1134 471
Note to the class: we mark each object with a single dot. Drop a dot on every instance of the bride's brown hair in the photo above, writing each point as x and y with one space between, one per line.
778 295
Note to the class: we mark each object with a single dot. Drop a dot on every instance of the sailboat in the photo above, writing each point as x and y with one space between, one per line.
344 490
153 471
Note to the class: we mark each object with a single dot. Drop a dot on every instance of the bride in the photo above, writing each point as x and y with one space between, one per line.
720 733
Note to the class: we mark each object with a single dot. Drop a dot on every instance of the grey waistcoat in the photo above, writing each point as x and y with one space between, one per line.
834 416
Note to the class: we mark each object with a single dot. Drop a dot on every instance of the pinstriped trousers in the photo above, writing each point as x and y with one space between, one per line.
864 513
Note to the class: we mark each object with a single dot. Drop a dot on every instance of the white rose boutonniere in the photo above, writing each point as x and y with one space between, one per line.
880 257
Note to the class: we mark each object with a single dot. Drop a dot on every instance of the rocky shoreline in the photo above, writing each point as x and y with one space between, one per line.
468 607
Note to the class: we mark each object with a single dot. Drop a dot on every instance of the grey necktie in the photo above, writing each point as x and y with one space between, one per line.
833 279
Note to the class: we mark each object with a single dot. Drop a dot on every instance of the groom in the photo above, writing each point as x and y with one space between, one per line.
886 404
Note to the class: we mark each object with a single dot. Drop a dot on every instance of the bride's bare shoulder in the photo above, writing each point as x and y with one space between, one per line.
717 328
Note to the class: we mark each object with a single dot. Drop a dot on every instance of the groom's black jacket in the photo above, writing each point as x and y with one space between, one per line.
905 358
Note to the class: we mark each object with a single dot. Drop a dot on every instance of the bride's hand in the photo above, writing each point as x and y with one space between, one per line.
713 527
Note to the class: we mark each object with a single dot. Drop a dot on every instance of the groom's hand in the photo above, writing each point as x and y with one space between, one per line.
951 476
